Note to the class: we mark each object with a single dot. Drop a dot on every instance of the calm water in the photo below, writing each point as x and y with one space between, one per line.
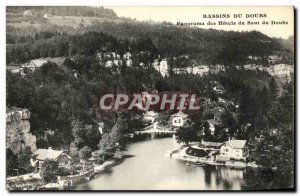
151 169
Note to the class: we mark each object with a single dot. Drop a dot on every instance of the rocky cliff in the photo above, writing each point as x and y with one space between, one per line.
18 135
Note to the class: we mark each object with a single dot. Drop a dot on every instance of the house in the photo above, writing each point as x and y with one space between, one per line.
272 59
34 64
99 56
233 149
179 119
109 63
212 123
127 56
150 116
40 155
162 67
128 62
201 70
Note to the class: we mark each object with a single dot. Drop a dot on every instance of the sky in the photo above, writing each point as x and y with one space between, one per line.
195 14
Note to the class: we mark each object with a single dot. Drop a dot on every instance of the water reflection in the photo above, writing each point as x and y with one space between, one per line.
150 169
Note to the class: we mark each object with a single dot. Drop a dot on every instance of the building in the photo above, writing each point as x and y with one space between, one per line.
109 63
212 123
233 149
150 116
272 59
34 64
41 155
162 67
179 119
15 70
127 56
129 63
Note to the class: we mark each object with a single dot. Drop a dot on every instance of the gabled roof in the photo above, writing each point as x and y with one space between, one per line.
212 122
42 154
236 143
36 63
180 114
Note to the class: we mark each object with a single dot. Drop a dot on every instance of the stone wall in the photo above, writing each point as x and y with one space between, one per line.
18 133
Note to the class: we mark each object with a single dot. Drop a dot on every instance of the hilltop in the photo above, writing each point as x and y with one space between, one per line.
205 46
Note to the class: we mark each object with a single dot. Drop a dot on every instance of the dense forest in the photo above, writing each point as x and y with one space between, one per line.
62 11
204 46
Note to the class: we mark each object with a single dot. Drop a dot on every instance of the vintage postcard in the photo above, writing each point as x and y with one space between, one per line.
150 98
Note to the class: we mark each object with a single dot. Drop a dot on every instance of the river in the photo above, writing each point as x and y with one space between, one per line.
151 169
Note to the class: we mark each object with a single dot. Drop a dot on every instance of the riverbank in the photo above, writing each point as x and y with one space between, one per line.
181 154
152 169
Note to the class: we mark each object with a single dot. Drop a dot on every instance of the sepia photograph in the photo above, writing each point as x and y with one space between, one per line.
150 98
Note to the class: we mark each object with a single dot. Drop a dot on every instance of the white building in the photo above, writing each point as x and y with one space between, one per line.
59 156
212 123
150 116
34 64
129 63
179 119
162 67
109 63
233 149
127 56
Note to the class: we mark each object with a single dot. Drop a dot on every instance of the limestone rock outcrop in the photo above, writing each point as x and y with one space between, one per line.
18 135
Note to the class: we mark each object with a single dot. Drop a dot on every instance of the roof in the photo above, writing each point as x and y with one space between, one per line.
211 144
37 62
151 113
42 154
180 114
212 122
236 143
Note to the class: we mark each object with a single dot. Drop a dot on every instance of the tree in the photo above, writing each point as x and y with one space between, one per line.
106 145
23 160
11 162
84 153
50 170
186 135
73 150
